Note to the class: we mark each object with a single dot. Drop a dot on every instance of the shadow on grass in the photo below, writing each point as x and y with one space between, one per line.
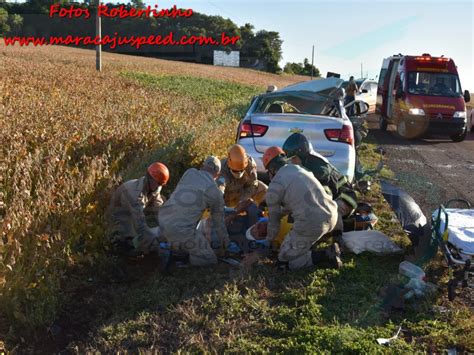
364 291
351 295
111 306
344 310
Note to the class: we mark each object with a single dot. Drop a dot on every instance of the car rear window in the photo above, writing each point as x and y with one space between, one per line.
298 103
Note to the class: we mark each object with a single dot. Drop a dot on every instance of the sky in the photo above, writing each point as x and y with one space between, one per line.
348 34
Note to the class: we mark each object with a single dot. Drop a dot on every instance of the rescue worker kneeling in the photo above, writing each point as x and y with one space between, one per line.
297 148
239 180
180 216
294 190
130 234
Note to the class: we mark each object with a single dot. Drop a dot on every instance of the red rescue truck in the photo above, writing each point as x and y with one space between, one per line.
422 95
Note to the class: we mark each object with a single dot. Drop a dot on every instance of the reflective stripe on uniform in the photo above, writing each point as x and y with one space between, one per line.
342 181
348 199
327 189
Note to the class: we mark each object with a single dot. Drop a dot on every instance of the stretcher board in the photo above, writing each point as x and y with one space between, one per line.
460 229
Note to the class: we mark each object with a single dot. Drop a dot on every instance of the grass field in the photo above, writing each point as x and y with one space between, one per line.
71 135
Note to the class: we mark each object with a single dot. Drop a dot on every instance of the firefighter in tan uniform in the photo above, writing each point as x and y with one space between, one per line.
294 190
239 179
297 148
130 203
180 216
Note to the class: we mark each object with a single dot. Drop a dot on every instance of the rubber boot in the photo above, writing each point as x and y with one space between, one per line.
331 254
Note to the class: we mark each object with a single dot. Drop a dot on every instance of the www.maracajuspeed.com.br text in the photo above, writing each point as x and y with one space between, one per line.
117 40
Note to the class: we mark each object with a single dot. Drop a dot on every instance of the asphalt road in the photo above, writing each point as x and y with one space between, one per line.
431 170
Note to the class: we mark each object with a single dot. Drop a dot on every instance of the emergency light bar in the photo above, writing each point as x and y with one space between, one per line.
428 58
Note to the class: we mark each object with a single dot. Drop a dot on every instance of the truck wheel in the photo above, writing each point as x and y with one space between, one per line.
382 124
405 131
408 129
459 137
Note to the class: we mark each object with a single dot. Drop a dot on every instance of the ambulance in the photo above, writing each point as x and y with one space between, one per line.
421 95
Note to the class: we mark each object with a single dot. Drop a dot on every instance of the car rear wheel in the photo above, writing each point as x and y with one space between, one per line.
382 124
459 137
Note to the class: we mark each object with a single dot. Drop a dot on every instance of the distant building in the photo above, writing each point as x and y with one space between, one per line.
231 59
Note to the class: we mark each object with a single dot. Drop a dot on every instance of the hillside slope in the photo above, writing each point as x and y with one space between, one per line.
112 62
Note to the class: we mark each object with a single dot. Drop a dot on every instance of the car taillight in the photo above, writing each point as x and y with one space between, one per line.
248 129
345 135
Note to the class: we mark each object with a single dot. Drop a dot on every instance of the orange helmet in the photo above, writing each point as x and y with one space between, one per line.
270 154
237 158
159 172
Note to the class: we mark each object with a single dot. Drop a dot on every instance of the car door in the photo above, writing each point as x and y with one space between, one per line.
390 79
398 101
368 94
372 98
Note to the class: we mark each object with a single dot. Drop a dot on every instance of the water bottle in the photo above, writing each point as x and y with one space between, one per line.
417 276
411 271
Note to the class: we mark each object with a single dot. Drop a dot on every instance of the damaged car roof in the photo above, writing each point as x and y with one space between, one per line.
327 87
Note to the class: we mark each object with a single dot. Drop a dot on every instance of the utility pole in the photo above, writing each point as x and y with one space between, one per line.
98 34
361 71
312 63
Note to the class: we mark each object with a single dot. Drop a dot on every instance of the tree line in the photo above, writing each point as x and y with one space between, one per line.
304 68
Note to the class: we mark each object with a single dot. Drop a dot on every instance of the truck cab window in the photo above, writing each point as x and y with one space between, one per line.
434 84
